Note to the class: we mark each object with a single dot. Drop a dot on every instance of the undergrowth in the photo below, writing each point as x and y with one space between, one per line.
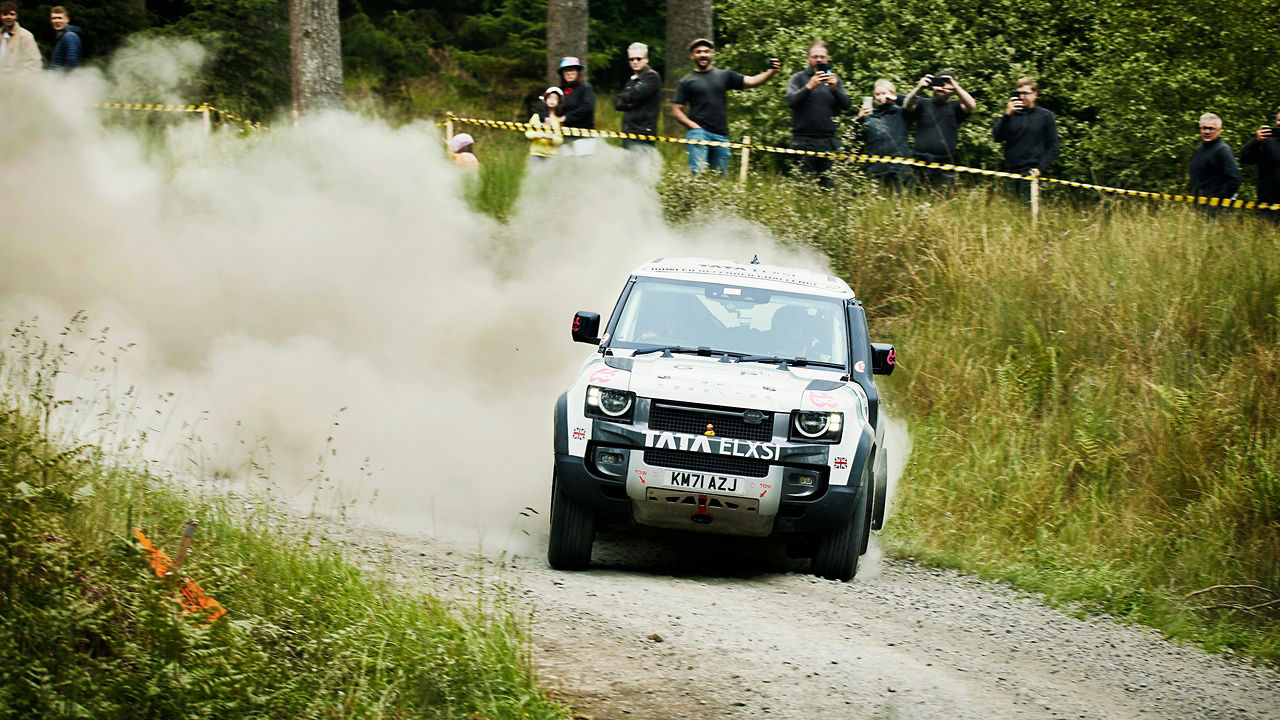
88 631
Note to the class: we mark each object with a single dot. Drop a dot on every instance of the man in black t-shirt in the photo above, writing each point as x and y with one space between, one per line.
704 93
937 122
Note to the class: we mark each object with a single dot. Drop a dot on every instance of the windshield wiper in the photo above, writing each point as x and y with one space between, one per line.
799 361
704 351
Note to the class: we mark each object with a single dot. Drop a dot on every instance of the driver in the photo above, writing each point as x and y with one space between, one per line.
792 329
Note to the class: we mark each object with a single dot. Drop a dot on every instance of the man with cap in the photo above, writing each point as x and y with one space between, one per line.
579 106
1264 151
704 92
937 123
640 99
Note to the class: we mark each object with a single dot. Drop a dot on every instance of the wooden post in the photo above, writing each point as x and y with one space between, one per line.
208 121
746 159
1035 199
187 533
448 129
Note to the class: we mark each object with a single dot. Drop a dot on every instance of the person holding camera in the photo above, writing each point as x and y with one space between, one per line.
1214 173
1264 151
1029 133
884 133
704 92
937 122
815 96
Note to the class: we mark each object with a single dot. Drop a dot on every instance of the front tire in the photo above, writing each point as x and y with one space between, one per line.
573 530
838 548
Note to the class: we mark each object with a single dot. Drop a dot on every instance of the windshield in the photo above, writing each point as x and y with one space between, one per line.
733 319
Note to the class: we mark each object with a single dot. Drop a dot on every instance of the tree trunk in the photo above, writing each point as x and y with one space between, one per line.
566 34
687 20
316 48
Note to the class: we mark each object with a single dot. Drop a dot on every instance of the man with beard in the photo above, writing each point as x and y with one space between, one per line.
815 96
937 123
18 51
640 99
884 133
1264 151
704 92
579 106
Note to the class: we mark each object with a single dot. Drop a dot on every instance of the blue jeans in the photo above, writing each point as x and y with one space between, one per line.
699 155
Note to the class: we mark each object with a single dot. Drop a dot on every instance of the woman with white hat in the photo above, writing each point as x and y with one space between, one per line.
579 105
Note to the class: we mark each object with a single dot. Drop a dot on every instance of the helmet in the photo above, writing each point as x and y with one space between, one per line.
570 63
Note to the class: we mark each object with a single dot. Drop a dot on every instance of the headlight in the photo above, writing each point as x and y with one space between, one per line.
808 425
609 403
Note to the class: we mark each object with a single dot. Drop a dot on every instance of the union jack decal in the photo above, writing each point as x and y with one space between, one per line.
579 434
841 463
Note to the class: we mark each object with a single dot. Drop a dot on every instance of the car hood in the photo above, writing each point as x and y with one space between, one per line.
693 379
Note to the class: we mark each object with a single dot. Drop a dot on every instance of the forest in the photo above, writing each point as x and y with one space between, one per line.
1127 79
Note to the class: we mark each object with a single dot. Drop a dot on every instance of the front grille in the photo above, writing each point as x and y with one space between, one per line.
694 420
701 462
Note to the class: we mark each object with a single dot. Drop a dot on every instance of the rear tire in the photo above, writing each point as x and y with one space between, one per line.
573 530
838 548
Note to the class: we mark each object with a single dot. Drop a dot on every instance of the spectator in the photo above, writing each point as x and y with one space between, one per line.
1264 151
884 133
937 123
579 106
1029 134
815 96
66 48
703 92
460 146
640 98
1214 172
545 131
18 51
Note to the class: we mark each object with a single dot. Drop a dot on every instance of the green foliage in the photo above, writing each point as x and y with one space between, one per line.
1126 80
88 631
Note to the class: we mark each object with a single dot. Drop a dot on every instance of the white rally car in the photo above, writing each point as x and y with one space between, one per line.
725 397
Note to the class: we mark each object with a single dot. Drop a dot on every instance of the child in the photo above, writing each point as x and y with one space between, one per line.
460 146
545 132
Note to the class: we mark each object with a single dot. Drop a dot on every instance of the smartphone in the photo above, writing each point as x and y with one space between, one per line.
866 101
824 67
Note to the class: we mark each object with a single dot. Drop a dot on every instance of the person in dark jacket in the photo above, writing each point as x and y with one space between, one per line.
640 98
579 107
937 122
1029 133
66 49
815 96
1264 151
884 133
1214 173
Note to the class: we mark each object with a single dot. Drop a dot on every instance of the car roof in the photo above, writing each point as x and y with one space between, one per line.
752 274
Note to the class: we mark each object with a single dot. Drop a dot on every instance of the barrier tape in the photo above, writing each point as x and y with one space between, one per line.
863 157
160 107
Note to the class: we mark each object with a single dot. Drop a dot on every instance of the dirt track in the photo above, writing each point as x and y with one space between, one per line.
696 626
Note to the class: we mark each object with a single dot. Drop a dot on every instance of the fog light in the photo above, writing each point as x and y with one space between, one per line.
804 481
611 458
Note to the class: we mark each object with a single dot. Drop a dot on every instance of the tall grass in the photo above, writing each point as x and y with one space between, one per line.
87 630
1094 399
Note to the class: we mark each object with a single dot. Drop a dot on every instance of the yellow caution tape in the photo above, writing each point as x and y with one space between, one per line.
864 158
160 107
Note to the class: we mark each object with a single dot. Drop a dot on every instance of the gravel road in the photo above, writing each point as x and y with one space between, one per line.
689 626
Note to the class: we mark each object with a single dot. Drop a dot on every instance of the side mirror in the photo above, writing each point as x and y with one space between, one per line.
586 327
883 359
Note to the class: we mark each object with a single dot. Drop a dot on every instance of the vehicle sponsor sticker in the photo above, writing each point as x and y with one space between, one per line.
604 374
713 445
823 400
860 366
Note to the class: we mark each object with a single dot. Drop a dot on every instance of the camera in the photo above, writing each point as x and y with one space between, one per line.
940 80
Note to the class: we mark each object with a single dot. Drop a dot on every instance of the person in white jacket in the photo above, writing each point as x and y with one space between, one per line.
18 51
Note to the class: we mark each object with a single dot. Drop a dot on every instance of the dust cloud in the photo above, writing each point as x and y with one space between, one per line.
314 309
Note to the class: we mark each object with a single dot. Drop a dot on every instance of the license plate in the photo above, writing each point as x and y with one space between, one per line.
705 482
